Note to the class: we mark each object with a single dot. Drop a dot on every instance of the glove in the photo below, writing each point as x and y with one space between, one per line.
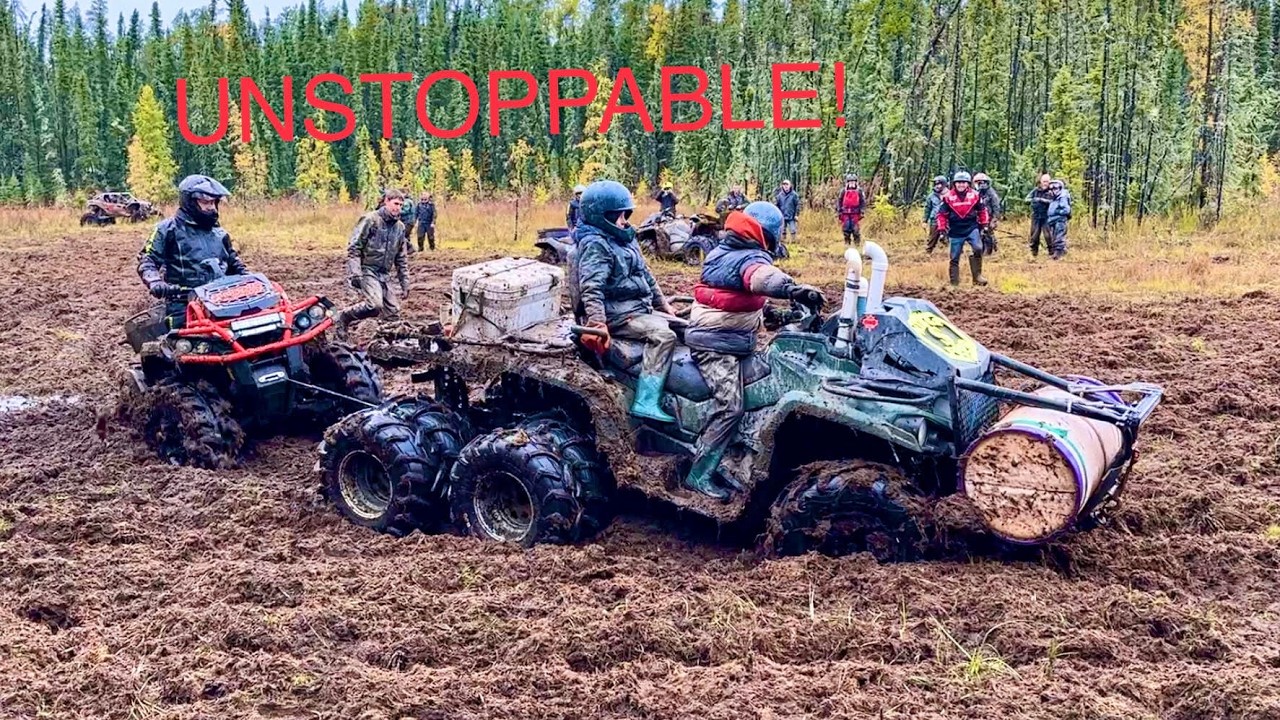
163 290
404 289
807 295
597 345
354 281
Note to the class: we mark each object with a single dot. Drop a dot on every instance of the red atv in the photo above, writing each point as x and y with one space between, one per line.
247 360
104 208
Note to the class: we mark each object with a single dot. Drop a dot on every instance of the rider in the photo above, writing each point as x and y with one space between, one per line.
963 218
932 204
728 309
187 246
991 199
735 200
849 208
612 288
667 198
1058 215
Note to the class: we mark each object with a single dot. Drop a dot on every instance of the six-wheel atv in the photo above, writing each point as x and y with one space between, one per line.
856 430
246 361
104 208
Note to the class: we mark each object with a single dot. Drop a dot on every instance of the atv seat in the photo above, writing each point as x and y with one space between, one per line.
685 379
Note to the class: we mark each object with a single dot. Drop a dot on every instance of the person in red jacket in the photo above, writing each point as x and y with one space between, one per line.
963 218
849 207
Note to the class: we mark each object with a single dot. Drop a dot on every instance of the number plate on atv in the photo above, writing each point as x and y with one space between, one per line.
938 333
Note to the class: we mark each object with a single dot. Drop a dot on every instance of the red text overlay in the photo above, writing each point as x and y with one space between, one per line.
508 91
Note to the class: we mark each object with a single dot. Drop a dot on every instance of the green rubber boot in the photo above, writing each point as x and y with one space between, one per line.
701 474
648 395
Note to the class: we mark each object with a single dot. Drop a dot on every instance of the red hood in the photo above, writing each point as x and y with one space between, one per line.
746 226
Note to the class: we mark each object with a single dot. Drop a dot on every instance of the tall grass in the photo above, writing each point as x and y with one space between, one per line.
1165 256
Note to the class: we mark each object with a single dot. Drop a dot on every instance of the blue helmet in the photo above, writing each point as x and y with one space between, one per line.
605 197
770 219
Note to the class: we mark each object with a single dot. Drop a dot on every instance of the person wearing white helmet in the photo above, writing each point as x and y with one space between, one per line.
573 218
963 218
1058 215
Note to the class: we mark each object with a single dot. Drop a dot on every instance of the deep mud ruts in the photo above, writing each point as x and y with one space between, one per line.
131 589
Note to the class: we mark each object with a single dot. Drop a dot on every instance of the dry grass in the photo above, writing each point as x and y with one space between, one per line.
1167 256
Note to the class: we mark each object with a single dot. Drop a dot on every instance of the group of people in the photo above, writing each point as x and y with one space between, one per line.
968 211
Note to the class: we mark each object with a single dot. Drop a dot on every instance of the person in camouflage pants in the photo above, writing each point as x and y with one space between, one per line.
378 244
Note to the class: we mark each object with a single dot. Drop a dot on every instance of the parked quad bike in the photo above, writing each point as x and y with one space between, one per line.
104 208
530 440
248 361
668 236
554 245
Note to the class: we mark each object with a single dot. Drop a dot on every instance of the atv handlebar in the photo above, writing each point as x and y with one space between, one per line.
584 330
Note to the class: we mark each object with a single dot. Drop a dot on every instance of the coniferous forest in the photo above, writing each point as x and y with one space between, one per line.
1142 106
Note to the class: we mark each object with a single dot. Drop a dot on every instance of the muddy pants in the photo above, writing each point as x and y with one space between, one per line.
1057 237
788 226
723 374
659 341
852 231
935 236
973 240
379 299
1039 229
426 229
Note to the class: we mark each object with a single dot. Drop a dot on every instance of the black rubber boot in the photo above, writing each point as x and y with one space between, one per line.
975 266
955 272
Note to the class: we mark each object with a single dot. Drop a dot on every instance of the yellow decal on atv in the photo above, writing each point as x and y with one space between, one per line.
938 332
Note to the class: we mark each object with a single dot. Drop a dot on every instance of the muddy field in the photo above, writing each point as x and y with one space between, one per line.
131 589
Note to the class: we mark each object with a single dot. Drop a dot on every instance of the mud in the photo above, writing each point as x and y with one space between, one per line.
134 589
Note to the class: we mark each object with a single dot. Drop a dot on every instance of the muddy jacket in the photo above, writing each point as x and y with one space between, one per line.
962 214
1060 207
667 200
376 246
729 300
992 200
182 249
609 280
574 216
850 205
732 201
426 213
1039 201
932 204
789 203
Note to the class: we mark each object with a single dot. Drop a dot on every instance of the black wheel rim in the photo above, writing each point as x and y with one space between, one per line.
503 507
365 485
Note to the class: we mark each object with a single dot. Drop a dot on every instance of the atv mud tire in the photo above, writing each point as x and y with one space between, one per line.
694 254
389 474
862 507
191 425
340 368
542 482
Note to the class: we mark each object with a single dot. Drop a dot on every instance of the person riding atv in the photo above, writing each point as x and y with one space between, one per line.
729 301
191 247
613 290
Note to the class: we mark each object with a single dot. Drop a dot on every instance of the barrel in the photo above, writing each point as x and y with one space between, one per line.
1033 472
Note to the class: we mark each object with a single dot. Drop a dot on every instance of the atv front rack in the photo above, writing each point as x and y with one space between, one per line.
1093 403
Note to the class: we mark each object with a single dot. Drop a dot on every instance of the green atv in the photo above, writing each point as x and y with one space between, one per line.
857 427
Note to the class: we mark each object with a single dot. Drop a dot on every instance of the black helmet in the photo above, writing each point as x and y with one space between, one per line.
939 180
200 187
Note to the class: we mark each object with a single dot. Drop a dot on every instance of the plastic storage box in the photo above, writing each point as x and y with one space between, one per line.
494 299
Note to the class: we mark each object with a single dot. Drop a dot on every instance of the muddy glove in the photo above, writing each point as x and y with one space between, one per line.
808 295
354 281
597 345
163 290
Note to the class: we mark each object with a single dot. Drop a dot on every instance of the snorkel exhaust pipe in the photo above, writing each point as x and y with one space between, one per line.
849 308
879 268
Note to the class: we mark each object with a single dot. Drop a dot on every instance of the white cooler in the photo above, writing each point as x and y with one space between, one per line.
497 298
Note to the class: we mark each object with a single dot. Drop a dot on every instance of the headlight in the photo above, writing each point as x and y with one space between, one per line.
302 321
202 348
315 311
182 347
